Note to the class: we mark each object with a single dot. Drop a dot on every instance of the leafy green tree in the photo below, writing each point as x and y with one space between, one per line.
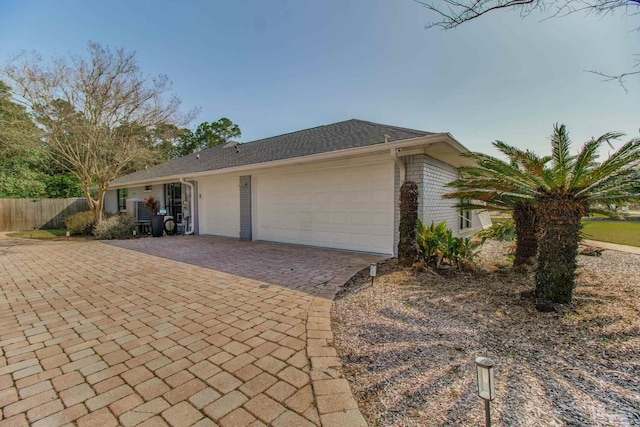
162 142
62 185
166 140
96 113
207 135
21 156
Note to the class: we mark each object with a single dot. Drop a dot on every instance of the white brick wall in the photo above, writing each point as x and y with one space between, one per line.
431 176
434 208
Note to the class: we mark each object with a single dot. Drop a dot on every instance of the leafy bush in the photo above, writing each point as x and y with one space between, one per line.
115 227
81 223
430 240
501 231
437 245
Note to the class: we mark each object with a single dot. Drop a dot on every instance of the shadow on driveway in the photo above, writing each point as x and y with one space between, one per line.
292 266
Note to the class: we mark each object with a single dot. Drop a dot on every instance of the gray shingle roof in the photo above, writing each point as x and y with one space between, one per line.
322 139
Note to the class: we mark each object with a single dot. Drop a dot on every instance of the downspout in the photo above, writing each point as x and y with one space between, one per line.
403 176
401 166
189 229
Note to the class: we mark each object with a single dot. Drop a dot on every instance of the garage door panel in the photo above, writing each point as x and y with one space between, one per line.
360 219
220 207
379 196
360 239
348 207
358 198
306 199
379 219
340 218
362 180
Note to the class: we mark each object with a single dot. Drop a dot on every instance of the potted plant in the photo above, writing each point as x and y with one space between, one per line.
157 221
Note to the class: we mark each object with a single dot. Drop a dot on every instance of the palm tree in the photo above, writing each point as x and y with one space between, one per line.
549 196
572 187
505 186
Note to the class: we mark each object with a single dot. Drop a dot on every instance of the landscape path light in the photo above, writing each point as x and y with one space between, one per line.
486 386
373 270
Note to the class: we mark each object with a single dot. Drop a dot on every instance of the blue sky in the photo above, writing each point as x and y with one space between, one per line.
280 66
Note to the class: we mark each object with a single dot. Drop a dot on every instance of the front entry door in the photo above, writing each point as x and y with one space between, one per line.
173 198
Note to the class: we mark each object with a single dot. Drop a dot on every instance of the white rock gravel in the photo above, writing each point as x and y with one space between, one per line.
408 344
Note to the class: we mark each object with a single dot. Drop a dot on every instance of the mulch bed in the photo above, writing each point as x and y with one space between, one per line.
408 345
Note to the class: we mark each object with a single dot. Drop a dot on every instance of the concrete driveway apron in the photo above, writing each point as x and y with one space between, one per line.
180 331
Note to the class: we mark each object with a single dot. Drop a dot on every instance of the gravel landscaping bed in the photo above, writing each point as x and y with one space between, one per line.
408 344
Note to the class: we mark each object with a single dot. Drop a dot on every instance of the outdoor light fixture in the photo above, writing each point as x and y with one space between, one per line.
486 387
134 232
67 234
373 269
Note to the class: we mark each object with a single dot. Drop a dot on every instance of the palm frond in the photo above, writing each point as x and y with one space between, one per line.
487 165
527 160
617 165
560 144
623 186
585 161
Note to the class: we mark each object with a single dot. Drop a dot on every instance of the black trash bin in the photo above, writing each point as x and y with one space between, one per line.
157 225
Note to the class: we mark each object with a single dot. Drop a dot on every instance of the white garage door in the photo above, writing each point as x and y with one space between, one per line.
220 207
347 208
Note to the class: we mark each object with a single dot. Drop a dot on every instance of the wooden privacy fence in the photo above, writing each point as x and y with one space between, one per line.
27 214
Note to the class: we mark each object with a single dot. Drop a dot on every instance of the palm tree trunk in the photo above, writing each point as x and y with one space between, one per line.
526 220
408 245
557 258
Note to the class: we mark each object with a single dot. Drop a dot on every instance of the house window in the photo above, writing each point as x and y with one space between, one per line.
465 219
122 199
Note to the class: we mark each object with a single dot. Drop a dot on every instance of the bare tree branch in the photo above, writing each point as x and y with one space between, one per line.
453 13
620 78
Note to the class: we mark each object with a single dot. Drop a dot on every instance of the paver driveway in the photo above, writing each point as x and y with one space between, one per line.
208 331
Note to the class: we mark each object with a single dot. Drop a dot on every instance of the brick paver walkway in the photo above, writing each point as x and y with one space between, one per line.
211 331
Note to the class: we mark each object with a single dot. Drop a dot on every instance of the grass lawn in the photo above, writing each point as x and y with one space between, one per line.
40 234
621 232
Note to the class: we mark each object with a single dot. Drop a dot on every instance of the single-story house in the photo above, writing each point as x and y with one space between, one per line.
334 186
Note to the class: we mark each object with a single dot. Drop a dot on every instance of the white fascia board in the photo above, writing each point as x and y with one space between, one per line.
357 151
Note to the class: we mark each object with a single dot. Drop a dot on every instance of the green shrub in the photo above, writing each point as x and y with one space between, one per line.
115 227
501 231
437 245
81 223
430 240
